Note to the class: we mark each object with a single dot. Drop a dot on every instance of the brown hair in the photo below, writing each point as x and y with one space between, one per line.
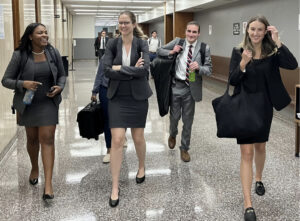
137 31
268 46
194 23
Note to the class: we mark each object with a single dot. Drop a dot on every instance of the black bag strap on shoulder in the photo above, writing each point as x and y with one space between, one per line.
53 55
202 52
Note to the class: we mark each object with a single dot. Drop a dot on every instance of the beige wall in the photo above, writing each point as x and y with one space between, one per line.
47 15
8 125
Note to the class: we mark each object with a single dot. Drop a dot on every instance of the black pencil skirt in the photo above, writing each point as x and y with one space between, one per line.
126 112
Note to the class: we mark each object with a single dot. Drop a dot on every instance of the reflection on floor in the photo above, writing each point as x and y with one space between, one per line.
207 188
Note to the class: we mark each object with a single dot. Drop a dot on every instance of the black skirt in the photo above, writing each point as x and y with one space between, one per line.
126 112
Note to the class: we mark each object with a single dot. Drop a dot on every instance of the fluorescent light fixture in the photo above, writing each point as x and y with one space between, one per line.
85 10
125 7
85 13
82 6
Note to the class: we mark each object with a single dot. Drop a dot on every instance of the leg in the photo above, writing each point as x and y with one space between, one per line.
297 140
116 156
246 172
188 110
175 113
104 104
260 157
140 147
33 150
46 137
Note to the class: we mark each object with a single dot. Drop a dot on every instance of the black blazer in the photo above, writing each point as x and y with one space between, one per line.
98 43
278 95
137 76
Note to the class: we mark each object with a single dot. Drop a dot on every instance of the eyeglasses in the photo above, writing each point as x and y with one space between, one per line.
124 23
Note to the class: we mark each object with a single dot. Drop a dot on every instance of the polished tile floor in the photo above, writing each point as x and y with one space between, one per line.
207 188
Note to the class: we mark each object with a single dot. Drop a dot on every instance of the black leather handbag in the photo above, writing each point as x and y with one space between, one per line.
240 115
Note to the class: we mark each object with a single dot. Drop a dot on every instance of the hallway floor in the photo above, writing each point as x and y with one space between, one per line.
207 188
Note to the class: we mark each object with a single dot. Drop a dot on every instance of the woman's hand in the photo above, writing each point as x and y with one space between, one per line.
246 58
94 98
31 85
140 62
55 90
274 33
116 67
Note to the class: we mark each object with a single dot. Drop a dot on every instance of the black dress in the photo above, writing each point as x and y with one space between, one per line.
262 75
42 111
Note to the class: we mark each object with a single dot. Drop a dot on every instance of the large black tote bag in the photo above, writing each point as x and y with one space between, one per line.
239 115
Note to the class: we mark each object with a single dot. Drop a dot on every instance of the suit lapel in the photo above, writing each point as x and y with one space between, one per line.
133 51
197 50
119 50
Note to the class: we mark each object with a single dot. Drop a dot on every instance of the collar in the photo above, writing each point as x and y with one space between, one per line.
188 44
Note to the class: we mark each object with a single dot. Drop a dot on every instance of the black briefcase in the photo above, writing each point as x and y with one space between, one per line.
91 121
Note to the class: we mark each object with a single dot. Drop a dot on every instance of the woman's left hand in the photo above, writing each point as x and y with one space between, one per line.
274 33
140 62
57 89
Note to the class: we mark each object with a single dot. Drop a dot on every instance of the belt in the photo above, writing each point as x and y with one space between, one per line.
152 52
182 81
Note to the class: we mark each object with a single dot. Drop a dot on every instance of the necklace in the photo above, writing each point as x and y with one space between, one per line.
38 53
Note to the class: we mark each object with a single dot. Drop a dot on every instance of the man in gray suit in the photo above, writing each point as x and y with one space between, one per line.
187 84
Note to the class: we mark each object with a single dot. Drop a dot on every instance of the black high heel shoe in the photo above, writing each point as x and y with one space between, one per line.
140 180
114 203
33 181
47 196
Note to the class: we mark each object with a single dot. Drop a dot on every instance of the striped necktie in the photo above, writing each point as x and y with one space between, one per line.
189 60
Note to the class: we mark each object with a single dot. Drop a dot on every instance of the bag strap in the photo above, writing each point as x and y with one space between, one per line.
202 52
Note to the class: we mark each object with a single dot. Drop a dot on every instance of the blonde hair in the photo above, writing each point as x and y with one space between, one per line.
268 46
137 31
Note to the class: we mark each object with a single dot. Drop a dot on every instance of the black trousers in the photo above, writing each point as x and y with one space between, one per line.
100 53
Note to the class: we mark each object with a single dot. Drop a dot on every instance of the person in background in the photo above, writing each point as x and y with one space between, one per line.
154 43
187 84
126 64
37 67
100 44
255 64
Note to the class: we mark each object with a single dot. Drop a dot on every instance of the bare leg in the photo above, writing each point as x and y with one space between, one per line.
116 157
260 157
140 147
46 137
246 172
33 150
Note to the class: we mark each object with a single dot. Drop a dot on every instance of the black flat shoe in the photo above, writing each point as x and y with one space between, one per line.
47 196
114 203
140 180
250 214
33 181
259 188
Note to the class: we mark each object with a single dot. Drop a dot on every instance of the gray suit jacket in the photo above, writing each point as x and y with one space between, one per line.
137 76
12 71
205 69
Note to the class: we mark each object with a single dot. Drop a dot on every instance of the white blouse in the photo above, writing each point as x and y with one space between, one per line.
125 57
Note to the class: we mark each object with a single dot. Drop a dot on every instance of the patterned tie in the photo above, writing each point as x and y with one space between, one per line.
103 46
189 60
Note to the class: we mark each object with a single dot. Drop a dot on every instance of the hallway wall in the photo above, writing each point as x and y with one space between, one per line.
282 14
8 125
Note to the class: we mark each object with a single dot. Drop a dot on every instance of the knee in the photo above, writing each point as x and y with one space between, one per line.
247 155
47 139
138 140
32 140
117 141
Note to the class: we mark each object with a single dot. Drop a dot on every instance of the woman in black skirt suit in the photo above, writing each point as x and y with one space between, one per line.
256 65
37 66
126 64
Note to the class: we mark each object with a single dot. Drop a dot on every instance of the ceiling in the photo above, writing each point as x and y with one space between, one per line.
106 12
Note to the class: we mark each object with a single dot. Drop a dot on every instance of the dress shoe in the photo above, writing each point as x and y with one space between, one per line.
259 188
33 181
140 180
185 155
114 203
47 196
250 214
171 142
